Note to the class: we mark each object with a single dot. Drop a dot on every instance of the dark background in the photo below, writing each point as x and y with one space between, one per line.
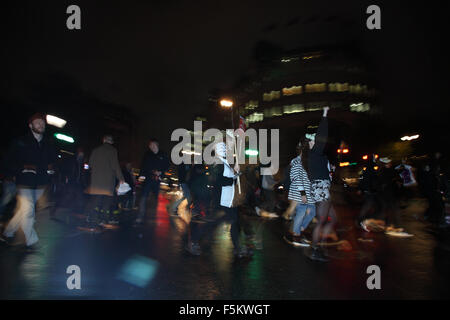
160 59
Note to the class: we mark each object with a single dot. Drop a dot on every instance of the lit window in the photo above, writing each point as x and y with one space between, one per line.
341 87
293 108
271 96
255 117
316 87
360 107
292 90
252 104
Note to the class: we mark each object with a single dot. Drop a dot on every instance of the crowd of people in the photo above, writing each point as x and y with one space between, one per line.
102 190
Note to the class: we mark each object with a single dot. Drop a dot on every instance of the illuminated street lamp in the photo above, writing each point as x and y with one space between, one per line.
55 121
226 103
409 138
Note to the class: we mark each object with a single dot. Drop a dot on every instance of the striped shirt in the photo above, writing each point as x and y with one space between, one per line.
299 182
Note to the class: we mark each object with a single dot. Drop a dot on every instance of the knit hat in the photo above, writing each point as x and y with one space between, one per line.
37 115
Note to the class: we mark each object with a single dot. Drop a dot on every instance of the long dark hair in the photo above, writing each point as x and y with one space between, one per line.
303 151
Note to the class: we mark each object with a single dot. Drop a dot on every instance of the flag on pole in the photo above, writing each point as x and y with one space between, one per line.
242 123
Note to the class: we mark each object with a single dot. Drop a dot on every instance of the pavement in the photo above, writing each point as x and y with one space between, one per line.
150 262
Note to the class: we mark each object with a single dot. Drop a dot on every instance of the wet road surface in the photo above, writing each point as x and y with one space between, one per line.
150 262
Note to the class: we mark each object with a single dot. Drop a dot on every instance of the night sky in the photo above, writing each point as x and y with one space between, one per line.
160 58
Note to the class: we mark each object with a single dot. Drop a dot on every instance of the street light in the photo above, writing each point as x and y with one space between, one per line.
226 103
55 121
408 138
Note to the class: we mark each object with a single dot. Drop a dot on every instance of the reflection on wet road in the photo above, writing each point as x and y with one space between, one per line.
149 262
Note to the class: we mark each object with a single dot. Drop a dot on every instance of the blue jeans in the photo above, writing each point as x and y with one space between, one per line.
302 219
24 215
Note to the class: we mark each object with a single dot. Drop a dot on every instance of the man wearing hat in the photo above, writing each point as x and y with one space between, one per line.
30 163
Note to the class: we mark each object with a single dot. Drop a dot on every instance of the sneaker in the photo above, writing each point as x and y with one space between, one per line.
296 241
258 211
270 215
363 226
317 255
6 240
291 239
399 234
193 248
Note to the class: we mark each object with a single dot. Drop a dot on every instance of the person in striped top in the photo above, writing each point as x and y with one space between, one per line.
300 192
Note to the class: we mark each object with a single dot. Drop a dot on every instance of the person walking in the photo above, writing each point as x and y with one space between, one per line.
367 187
225 178
154 164
300 192
30 163
319 175
105 169
388 190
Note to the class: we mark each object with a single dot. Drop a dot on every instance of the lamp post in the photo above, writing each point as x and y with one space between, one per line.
227 103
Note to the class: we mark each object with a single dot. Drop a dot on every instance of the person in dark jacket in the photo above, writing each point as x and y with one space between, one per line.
154 164
319 175
225 178
73 181
30 162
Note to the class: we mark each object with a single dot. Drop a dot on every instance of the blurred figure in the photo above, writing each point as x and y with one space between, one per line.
154 164
432 187
30 162
300 193
184 179
269 197
225 178
406 173
388 186
105 169
199 192
74 181
368 187
127 201
8 194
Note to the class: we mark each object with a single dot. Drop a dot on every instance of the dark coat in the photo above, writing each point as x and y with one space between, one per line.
153 162
317 159
29 161
105 169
